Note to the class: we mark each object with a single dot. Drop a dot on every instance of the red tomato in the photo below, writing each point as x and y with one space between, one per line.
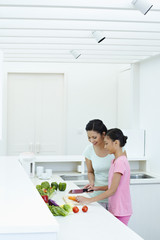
75 209
84 208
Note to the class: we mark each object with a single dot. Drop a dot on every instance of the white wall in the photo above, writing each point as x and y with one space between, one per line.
1 76
128 97
91 93
128 110
149 75
124 99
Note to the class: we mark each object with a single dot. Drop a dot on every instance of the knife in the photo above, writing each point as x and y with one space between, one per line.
76 191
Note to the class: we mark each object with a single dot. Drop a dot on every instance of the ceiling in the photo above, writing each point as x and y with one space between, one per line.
46 31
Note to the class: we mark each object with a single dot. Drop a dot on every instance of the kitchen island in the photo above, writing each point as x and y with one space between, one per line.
95 224
24 214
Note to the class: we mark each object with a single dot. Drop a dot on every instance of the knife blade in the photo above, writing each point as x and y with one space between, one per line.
76 191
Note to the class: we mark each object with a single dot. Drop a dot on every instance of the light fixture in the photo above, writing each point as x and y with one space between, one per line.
142 5
75 54
98 36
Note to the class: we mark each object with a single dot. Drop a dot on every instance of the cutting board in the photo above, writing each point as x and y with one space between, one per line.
69 201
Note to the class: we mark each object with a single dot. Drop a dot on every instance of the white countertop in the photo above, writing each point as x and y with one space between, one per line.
154 180
24 211
21 207
97 223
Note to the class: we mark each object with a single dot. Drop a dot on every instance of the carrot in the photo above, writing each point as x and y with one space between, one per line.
73 198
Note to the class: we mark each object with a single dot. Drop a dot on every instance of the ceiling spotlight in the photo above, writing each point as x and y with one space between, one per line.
98 36
142 5
75 54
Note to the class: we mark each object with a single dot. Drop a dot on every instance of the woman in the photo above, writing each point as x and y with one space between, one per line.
118 189
97 158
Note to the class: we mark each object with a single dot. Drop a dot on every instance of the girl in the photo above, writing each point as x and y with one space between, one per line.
117 190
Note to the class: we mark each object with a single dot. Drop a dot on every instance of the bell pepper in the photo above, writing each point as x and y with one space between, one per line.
54 184
62 186
45 198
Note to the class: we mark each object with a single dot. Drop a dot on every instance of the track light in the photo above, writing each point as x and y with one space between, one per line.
98 36
142 5
75 54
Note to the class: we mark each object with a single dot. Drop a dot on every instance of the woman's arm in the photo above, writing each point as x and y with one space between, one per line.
90 171
108 193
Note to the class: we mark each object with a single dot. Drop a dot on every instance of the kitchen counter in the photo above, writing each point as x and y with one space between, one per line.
24 214
155 179
97 223
82 179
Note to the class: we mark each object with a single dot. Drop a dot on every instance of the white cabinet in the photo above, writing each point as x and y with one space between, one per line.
36 114
146 210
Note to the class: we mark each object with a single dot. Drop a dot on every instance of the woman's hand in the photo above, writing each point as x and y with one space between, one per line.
83 200
95 188
89 186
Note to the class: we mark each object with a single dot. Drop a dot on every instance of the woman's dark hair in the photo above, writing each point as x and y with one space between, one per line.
117 134
97 126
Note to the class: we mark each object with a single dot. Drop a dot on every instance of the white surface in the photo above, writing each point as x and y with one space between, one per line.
146 208
76 158
23 211
66 163
1 74
39 170
21 207
149 72
97 223
124 99
44 177
60 158
33 102
80 159
48 30
154 180
135 146
79 78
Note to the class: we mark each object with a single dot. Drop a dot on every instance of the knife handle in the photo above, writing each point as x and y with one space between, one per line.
86 190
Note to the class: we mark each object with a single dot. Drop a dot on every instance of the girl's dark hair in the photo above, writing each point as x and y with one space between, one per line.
97 126
117 134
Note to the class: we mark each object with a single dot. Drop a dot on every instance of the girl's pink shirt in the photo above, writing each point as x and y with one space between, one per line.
120 201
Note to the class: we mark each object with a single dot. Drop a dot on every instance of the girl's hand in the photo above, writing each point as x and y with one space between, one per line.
83 200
